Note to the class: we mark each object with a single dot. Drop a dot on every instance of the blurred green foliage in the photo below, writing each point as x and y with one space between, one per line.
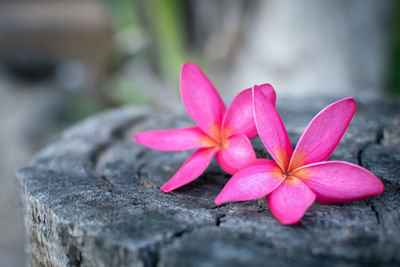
152 29
75 107
122 14
393 84
125 91
167 23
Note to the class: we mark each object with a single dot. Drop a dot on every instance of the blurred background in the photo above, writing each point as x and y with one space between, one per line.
63 60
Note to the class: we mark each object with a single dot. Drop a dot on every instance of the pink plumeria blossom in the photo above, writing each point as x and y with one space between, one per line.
295 179
220 132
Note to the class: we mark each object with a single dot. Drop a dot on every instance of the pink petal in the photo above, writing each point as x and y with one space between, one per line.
201 100
290 200
257 180
271 129
175 139
339 181
239 116
323 133
268 91
193 167
237 154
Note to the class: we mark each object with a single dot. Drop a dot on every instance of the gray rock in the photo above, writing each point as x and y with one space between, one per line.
92 198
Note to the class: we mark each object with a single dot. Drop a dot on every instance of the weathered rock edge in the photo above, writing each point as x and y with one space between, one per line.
91 198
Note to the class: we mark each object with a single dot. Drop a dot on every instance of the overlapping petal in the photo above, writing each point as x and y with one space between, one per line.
193 167
175 139
237 154
257 180
323 133
268 91
339 181
271 129
239 117
201 100
290 200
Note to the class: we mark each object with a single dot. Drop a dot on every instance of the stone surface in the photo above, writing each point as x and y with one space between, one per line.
92 198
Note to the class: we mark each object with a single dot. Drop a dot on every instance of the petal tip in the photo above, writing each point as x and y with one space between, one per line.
268 90
137 138
188 65
380 188
218 200
166 188
289 219
350 101
220 197
290 222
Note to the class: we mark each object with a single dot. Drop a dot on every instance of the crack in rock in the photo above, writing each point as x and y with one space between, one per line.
376 214
219 219
379 135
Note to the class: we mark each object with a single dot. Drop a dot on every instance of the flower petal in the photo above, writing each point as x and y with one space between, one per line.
175 139
193 167
201 100
323 133
239 117
257 180
271 129
339 181
290 200
237 154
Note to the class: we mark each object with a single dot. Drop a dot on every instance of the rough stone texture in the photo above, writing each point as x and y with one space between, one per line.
92 198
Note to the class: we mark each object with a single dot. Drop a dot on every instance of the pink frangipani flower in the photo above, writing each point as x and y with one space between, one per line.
220 132
297 178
